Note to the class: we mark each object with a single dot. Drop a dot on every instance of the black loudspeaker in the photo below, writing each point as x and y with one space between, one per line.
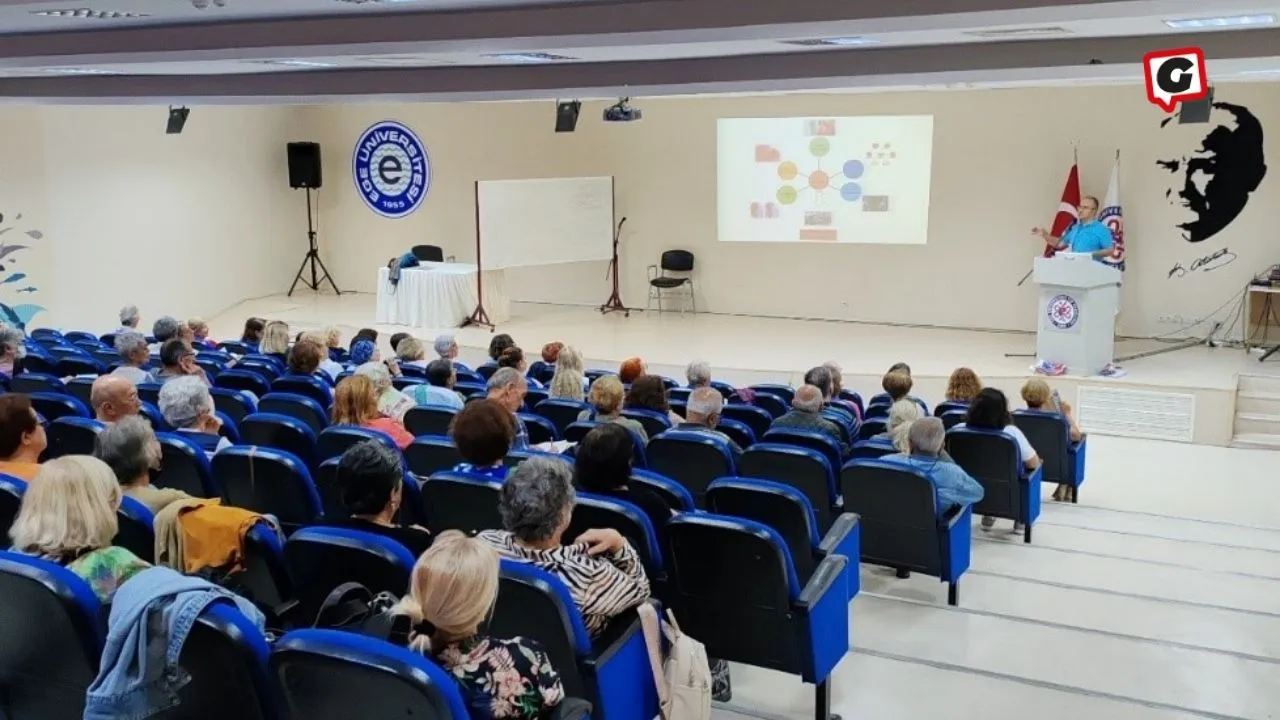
177 120
1196 111
304 165
567 115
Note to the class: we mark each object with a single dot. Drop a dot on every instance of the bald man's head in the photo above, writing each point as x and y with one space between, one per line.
114 397
808 398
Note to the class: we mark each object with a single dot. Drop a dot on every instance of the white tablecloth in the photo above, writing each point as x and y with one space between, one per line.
440 295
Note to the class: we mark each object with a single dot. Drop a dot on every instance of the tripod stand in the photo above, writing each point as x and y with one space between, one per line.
312 258
614 303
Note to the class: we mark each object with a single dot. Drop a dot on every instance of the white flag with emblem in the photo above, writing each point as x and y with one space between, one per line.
1113 217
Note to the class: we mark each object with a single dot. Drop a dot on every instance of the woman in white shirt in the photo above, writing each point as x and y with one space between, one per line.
990 411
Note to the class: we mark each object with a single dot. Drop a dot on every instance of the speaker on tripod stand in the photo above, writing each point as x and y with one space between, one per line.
304 172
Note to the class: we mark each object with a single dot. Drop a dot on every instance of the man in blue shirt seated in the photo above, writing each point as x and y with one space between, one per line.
1087 235
438 390
953 485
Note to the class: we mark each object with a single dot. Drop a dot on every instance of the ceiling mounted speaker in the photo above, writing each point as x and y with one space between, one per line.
177 120
567 115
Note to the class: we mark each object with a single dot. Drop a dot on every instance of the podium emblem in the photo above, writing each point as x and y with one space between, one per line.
1063 312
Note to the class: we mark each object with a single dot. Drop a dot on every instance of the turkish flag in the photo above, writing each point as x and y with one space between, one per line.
1067 209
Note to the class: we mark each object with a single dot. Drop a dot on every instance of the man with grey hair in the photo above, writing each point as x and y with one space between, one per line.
113 398
187 405
165 328
702 414
806 414
508 387
953 485
128 319
698 373
130 449
134 354
446 347
600 568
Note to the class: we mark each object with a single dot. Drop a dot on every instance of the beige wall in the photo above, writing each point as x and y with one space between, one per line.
1000 159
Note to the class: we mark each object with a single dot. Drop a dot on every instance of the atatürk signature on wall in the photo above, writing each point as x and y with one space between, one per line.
1221 258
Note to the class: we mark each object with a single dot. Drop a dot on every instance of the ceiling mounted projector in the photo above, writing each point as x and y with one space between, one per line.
622 112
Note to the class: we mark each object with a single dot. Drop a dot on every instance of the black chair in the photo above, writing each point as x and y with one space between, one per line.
770 403
322 558
429 420
672 261
282 432
299 407
135 529
734 587
268 481
1050 434
562 413
461 501
428 253
81 388
991 457
871 427
226 656
952 418
692 458
11 491
758 419
184 466
872 449
950 405
33 382
73 436
541 430
430 454
901 526
51 635
804 469
535 396
78 365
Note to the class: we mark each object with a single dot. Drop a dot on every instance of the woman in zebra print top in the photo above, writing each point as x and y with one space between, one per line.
601 569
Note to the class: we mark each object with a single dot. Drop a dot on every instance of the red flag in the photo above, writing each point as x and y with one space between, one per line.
1067 209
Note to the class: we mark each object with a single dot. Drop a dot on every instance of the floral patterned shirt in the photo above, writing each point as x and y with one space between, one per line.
503 679
105 569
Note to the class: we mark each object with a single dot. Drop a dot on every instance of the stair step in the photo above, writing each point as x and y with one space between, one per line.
1258 383
1261 441
1259 395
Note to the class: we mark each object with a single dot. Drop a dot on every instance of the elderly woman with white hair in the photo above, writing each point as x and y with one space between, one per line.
698 373
901 414
134 355
275 340
411 353
391 402
12 349
165 328
569 381
129 319
187 405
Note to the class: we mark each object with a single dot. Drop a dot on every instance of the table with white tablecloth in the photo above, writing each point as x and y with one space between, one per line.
439 295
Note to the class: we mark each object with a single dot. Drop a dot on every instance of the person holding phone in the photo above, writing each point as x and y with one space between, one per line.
1037 395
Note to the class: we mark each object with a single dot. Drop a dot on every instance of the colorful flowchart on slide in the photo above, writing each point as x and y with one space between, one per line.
828 180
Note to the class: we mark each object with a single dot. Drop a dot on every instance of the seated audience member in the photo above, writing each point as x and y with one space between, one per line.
1037 395
698 373
411 353
924 452
22 437
648 392
704 408
483 432
508 387
12 349
603 467
806 414
164 329
68 517
331 368
331 339
391 402
305 357
363 351
275 341
114 397
200 334
129 319
371 480
990 411
513 357
897 385
900 367
820 377
364 334
551 352
177 360
446 347
396 339
837 384
631 370
497 344
451 593
606 399
134 355
600 568
901 414
252 334
355 402
438 390
187 405
131 450
963 385
569 381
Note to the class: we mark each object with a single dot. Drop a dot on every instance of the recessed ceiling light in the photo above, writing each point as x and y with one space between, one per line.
528 58
1272 71
90 14
833 42
298 63
403 61
1022 32
79 71
1231 21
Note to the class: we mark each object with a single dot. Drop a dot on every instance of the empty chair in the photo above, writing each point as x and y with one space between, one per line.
430 454
72 436
738 432
212 368
429 420
1050 434
266 577
247 380
337 438
282 432
468 388
789 513
612 672
34 382
11 491
812 439
872 426
676 496
299 407
269 482
692 458
758 419
541 430
660 283
461 501
322 558
78 365
106 356
950 405
235 404
872 449
770 403
655 423
307 386
77 336
51 636
226 657
991 457
535 396
578 430
805 469
335 675
38 362
184 466
51 406
561 412
81 388
734 587
786 393
234 347
136 532
428 253
952 418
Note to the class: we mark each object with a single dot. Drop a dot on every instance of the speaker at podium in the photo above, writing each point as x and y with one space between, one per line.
1079 298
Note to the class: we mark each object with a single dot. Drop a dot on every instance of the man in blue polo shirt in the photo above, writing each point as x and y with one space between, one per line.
1087 235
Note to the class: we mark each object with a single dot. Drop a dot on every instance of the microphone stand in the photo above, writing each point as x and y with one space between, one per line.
614 303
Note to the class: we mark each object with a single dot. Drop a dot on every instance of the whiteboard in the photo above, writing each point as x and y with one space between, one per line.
545 221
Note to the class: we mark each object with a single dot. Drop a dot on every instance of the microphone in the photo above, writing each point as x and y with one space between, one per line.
622 222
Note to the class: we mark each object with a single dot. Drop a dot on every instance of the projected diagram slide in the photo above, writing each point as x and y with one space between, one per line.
830 180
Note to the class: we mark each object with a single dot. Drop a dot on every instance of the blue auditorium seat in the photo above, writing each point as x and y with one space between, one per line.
991 458
235 347
804 469
676 496
11 491
301 407
737 431
73 436
226 657
76 336
281 432
243 379
408 380
770 403
81 388
322 558
270 482
692 458
596 511
1050 434
461 501
150 392
872 425
812 439
785 393
952 418
236 404
135 532
560 412
541 430
853 397
430 454
758 419
872 449
654 423
184 466
307 386
336 439
33 382
39 362
533 397
947 405
53 406
429 420
153 416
